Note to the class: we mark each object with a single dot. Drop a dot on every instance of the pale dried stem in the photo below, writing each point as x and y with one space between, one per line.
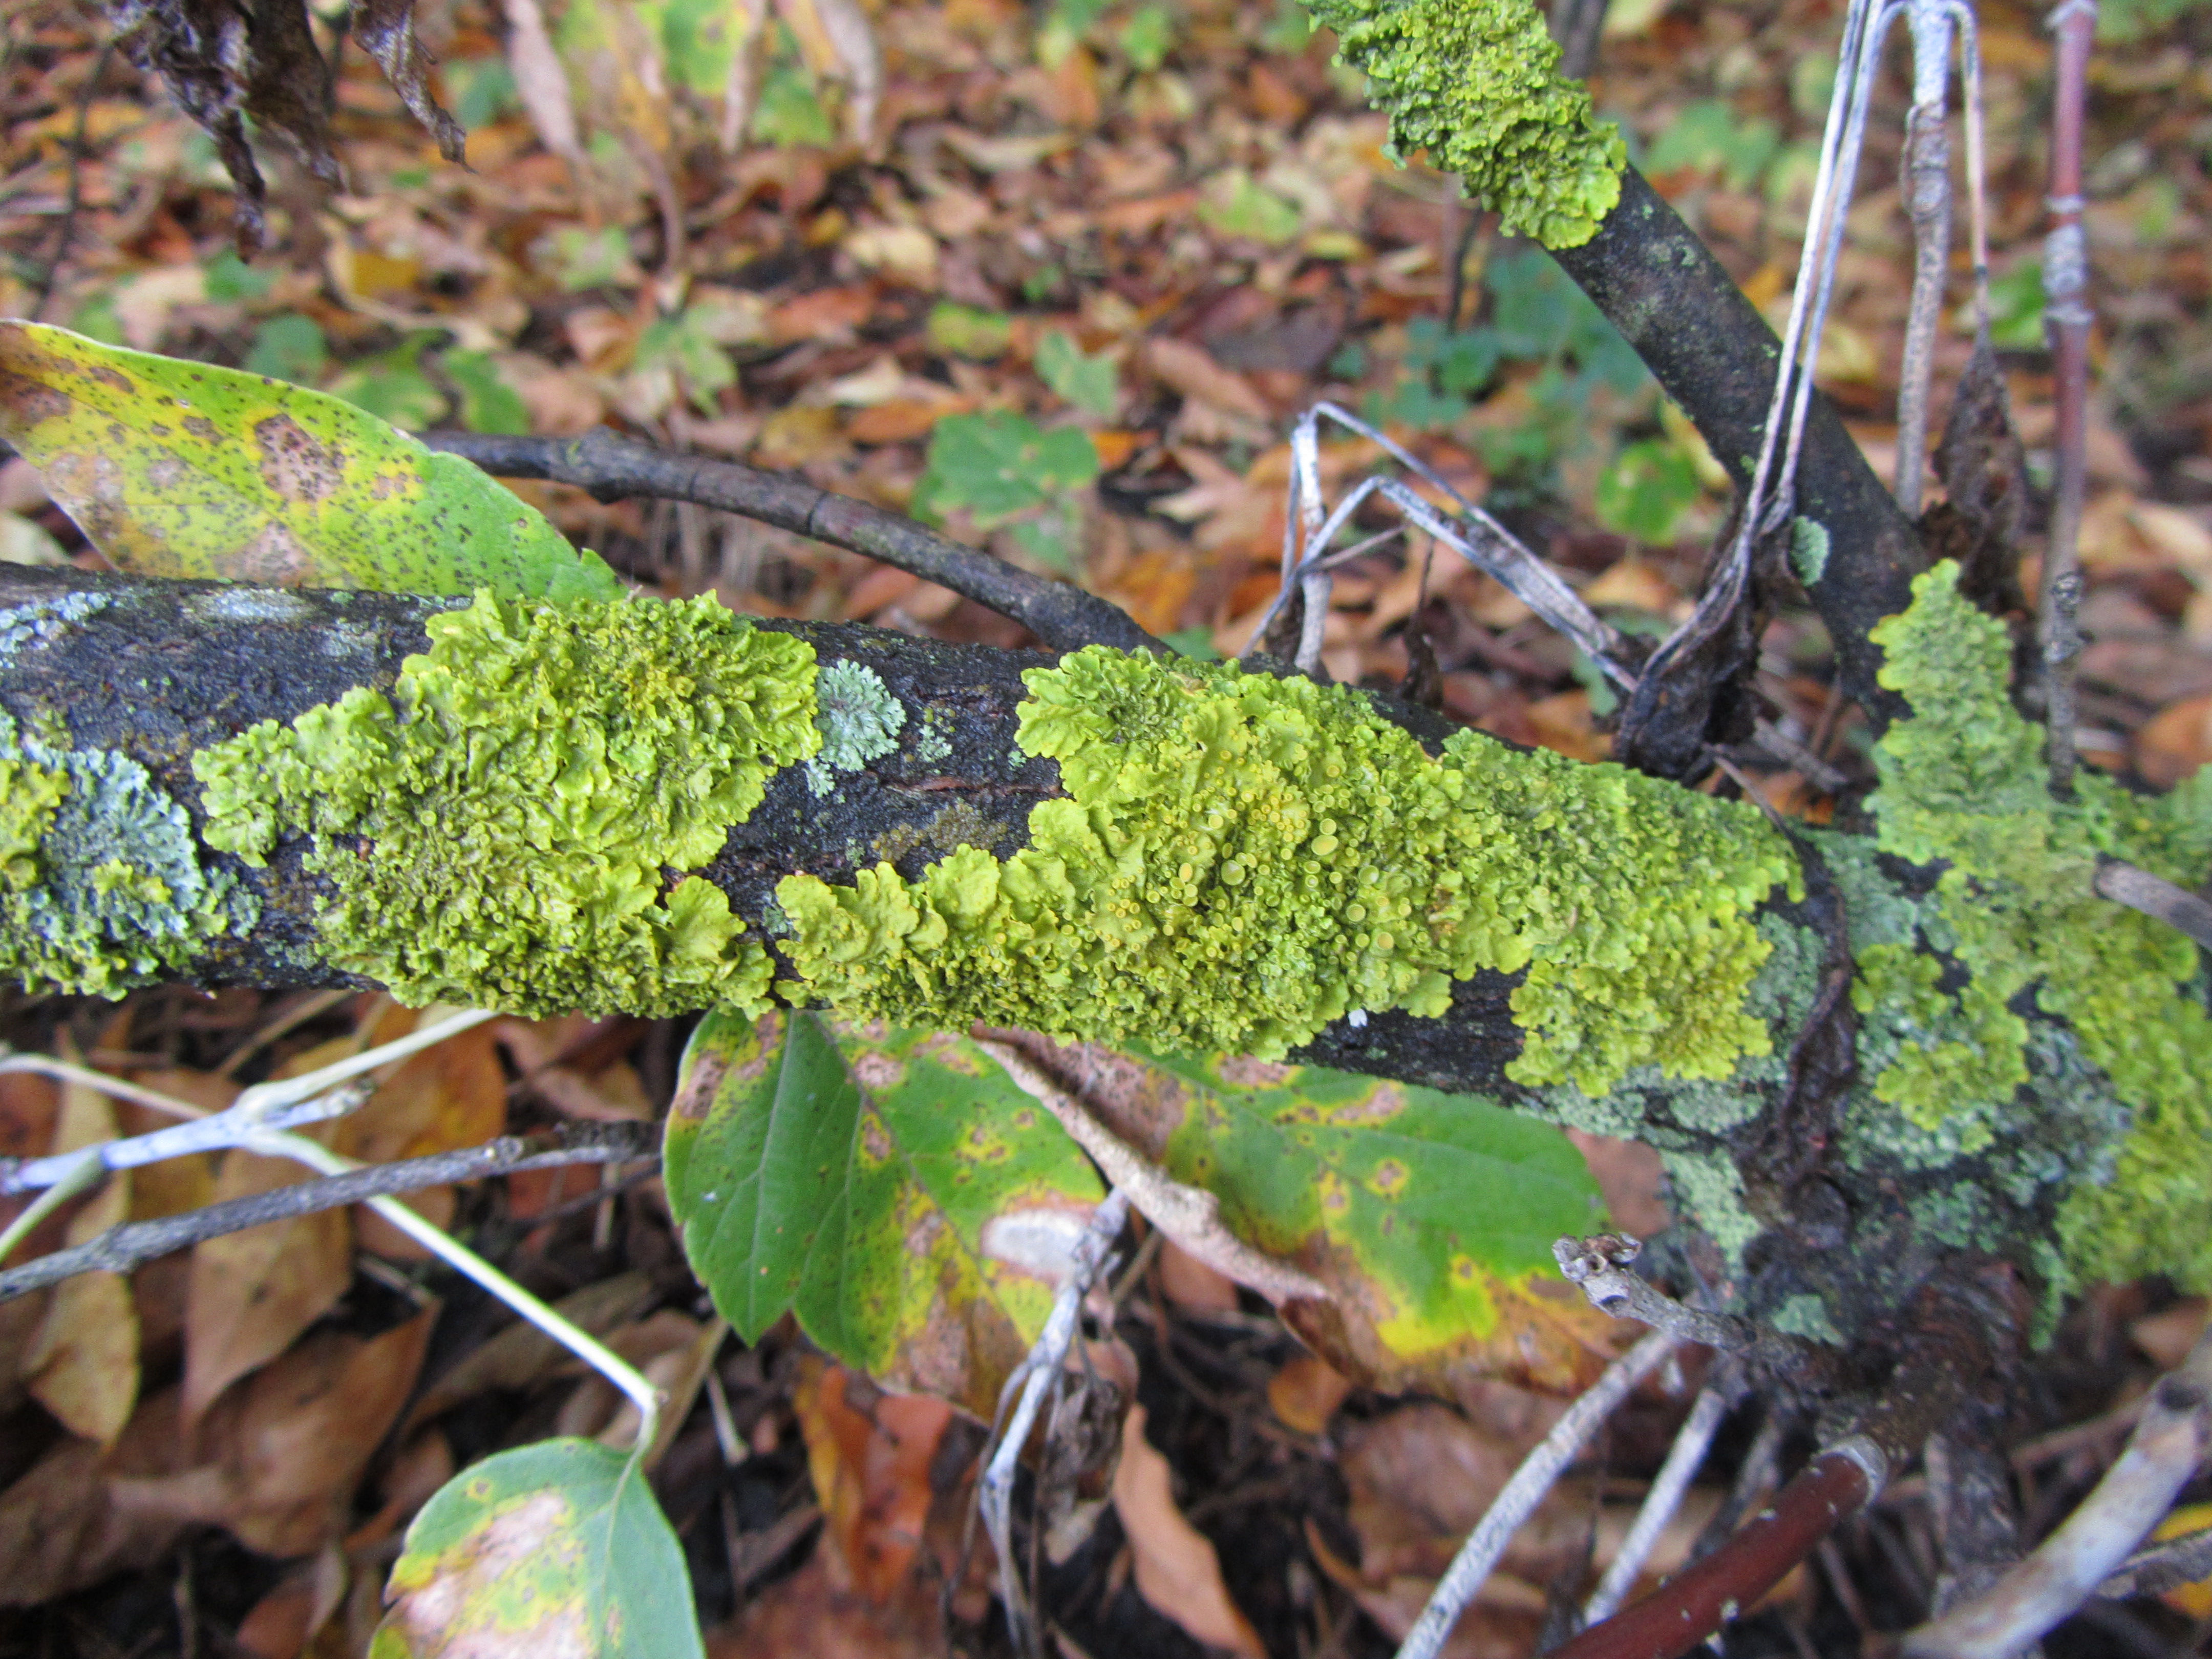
1928 197
1600 1264
2164 1452
1668 1487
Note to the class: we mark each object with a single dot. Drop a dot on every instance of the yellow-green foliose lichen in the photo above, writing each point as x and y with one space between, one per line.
1476 84
1243 860
510 826
101 885
1963 784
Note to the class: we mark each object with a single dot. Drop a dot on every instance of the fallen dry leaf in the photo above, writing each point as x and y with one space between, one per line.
806 1616
254 1292
82 1365
1305 1394
870 1472
1194 1286
2175 741
1176 1568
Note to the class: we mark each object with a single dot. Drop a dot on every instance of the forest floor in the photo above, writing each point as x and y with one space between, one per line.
1169 228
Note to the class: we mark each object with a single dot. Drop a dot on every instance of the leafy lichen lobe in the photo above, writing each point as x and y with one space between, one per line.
510 825
1963 784
1241 860
1476 84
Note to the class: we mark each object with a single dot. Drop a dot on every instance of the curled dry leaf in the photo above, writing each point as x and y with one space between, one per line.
871 1470
1178 1570
82 1365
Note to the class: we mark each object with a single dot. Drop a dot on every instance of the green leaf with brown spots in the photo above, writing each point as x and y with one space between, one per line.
1430 1217
554 1550
178 469
893 1187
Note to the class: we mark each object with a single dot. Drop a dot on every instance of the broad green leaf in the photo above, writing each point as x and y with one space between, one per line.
392 388
1091 384
488 403
1644 492
1429 1216
177 469
289 347
892 1188
552 1549
998 463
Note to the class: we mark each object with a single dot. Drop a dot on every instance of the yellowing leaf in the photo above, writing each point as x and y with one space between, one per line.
891 1187
178 469
554 1550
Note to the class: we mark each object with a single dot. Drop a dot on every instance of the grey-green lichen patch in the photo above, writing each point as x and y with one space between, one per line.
1806 1315
1476 84
859 718
43 621
932 745
1808 549
267 606
510 825
101 883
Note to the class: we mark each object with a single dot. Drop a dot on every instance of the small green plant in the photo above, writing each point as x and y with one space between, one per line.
1646 490
1709 136
1088 382
487 403
1004 470
959 331
289 347
393 386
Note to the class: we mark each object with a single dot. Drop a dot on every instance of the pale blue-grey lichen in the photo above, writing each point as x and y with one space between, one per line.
44 621
100 883
859 718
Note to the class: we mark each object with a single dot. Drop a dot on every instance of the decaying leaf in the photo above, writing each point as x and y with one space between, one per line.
913 1206
870 1472
554 1550
1430 1217
448 1096
1176 1568
179 469
82 1365
1983 467
223 61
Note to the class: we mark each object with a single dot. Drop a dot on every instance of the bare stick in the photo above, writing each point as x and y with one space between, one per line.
2067 1568
2139 890
1189 1215
1684 1458
2182 1560
1701 1599
1599 1265
1035 1376
1927 199
1063 616
119 1250
1513 1505
2067 318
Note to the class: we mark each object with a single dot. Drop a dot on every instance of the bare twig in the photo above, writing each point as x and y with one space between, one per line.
121 1248
1599 1265
1035 1377
1707 1412
1927 202
2139 890
1063 616
1701 1600
2067 318
1189 1215
2067 1568
215 1132
2160 1567
75 204
1521 1495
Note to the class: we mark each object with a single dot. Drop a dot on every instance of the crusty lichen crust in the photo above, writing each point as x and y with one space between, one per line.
1476 84
510 826
1243 860
1963 785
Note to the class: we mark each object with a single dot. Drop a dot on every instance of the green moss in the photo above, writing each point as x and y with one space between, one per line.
1243 860
1476 84
1963 784
510 825
860 721
100 883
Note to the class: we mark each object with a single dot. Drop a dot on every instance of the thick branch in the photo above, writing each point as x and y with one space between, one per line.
612 467
1714 355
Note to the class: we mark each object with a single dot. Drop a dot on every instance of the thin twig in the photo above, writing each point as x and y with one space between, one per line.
2067 319
2139 890
1701 1600
2161 1567
1063 616
1928 201
2169 1442
1684 1457
119 1250
218 1132
1600 1263
1036 1375
1521 1495
1189 1215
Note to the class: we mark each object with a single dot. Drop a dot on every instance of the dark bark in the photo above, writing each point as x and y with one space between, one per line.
612 467
1714 355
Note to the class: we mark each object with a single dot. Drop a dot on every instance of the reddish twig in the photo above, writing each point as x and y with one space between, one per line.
1836 1483
2067 318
